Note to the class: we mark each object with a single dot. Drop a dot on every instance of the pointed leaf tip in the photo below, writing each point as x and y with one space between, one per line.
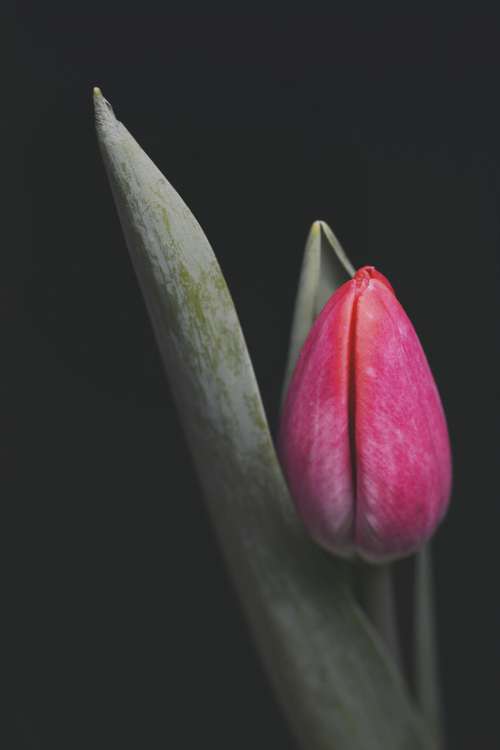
325 267
103 110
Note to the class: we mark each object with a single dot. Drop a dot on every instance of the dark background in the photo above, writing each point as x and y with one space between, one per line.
124 630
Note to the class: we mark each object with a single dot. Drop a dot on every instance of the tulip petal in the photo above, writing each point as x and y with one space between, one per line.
403 463
315 446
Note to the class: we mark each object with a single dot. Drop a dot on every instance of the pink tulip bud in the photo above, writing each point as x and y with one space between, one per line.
363 437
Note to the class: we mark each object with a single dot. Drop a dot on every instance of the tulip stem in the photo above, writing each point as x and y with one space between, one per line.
377 595
426 661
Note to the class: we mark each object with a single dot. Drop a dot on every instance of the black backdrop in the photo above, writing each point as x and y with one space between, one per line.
124 630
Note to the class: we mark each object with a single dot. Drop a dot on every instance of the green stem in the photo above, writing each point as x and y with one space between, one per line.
426 665
377 595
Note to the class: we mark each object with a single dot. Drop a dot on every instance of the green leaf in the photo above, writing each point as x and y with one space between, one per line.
324 268
330 671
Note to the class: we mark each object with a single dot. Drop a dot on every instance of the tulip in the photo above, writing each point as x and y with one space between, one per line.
363 438
298 601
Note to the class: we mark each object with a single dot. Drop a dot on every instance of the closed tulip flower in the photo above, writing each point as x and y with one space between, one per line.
363 437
